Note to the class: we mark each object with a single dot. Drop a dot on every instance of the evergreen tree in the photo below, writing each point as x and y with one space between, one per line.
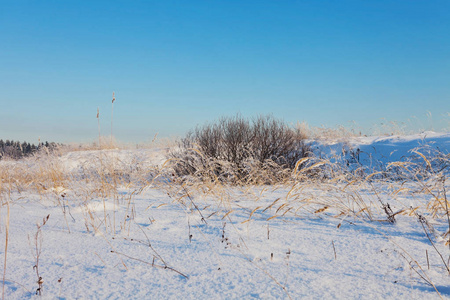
28 150
17 150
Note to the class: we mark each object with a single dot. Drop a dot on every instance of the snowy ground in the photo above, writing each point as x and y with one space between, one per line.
375 152
270 242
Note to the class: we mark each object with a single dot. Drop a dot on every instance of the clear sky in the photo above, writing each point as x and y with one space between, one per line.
175 64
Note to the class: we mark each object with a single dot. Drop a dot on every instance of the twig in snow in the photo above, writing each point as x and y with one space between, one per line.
334 249
151 264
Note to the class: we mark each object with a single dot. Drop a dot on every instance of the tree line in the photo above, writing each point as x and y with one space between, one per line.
17 150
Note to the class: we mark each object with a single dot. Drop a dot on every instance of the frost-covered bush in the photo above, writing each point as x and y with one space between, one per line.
235 146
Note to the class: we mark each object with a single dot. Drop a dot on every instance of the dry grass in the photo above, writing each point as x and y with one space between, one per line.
327 133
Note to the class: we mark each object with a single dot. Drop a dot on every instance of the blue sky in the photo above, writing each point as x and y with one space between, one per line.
176 64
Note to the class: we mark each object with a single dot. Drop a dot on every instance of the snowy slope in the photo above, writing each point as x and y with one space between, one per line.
269 242
80 264
377 152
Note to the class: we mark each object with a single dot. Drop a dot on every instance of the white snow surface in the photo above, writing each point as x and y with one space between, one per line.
161 244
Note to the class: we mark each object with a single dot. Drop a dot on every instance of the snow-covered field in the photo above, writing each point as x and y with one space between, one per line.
104 224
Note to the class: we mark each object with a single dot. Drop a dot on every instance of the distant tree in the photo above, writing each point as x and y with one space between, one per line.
16 150
28 149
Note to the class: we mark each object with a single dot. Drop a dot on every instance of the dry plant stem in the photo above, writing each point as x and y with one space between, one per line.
98 123
422 220
103 180
386 207
112 110
190 235
64 211
268 274
150 245
113 251
446 204
38 247
104 263
414 269
6 246
288 253
424 276
256 265
334 249
115 197
18 283
151 264
195 205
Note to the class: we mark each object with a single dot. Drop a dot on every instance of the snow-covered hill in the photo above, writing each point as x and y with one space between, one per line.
376 152
107 239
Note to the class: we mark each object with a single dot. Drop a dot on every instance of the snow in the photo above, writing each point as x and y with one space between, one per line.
376 152
260 242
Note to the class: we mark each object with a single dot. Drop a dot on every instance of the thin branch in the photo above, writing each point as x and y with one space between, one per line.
151 264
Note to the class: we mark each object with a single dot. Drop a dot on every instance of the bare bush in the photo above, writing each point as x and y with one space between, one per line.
233 147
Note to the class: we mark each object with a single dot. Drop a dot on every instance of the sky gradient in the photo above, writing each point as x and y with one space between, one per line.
176 64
